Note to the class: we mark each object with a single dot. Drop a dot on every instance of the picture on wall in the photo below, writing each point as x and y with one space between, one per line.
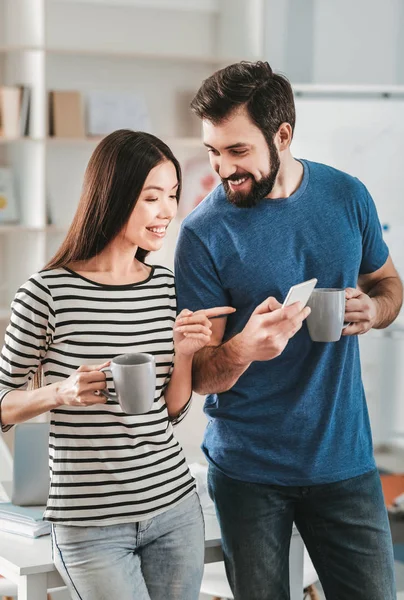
8 206
199 179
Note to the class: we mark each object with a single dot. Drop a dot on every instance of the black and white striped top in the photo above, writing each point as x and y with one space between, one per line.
106 467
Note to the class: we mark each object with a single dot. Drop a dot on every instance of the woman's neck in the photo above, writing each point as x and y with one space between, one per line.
113 266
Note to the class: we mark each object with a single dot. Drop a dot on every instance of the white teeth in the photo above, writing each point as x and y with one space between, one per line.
239 181
157 229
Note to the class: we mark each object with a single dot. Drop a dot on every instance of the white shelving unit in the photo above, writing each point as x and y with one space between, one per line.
162 49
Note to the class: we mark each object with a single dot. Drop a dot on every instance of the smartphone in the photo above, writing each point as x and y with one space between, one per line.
300 293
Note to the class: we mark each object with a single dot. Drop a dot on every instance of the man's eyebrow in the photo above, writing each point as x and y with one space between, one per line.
237 145
160 189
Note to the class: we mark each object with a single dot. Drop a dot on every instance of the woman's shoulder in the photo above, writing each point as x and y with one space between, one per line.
161 272
39 284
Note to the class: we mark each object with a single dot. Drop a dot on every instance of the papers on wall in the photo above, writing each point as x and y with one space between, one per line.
108 111
8 206
23 520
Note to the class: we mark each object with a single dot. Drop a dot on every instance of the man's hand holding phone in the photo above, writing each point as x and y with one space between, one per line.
272 324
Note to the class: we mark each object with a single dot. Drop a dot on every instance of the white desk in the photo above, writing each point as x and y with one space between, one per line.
28 562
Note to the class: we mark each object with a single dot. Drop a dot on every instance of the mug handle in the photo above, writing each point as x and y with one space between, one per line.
343 327
106 392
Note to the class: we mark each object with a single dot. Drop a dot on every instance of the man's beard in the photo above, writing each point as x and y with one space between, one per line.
259 189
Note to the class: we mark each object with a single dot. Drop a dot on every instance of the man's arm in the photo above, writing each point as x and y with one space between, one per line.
217 368
376 302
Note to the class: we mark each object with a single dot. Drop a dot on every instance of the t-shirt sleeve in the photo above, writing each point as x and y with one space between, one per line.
27 337
374 249
198 283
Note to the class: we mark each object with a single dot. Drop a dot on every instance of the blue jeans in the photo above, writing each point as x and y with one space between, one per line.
344 526
158 559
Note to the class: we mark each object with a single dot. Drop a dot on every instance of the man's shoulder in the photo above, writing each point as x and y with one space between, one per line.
326 173
208 210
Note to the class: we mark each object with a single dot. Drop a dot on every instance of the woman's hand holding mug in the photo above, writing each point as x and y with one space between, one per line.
83 387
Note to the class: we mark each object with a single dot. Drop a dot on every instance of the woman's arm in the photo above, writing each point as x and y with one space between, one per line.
78 389
188 339
27 340
19 406
179 389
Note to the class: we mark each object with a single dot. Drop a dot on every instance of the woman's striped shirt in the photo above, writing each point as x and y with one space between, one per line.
106 467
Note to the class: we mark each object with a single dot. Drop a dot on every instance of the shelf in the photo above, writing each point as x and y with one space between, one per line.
18 140
9 48
128 54
112 53
74 141
135 54
205 6
15 228
183 142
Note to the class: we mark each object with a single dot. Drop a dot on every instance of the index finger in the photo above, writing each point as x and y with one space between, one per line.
87 368
217 311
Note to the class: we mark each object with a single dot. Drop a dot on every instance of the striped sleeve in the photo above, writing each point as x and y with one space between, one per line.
182 414
27 337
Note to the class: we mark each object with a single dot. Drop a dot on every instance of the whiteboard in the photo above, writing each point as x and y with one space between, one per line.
363 137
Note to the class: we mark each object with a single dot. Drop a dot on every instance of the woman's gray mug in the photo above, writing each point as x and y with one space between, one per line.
134 378
326 320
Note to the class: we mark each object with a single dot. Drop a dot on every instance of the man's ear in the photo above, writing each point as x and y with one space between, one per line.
284 136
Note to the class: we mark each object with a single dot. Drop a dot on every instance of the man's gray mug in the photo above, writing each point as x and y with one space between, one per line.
134 378
326 320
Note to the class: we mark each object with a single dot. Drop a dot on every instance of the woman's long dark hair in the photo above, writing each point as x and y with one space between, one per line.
114 178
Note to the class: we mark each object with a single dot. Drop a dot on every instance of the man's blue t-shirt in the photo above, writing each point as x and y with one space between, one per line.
300 418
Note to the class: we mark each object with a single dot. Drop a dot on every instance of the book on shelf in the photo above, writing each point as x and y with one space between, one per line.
14 111
25 110
8 205
66 115
10 104
23 520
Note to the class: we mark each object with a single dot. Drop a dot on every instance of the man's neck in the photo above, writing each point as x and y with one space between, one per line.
289 178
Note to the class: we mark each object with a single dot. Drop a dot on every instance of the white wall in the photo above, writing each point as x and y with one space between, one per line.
356 42
336 41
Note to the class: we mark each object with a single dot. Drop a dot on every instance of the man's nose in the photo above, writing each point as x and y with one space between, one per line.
226 168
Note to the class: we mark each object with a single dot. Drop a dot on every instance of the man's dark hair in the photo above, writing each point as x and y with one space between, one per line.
267 96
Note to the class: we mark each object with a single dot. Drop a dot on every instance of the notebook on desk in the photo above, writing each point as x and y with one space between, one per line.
31 464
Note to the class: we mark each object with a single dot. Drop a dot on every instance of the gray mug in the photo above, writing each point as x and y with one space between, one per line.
134 378
326 320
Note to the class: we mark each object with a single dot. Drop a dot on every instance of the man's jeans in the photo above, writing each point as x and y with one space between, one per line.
158 559
344 526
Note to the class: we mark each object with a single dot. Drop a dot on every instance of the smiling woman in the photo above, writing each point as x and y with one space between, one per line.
96 299
154 209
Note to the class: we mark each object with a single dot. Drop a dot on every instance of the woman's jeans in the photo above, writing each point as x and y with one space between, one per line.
344 526
157 559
